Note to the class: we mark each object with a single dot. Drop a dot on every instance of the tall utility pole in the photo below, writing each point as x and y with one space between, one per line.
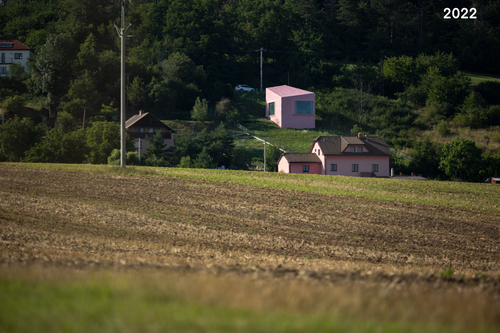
261 50
121 33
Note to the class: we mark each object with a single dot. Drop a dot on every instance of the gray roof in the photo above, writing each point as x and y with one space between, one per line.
146 120
301 158
336 145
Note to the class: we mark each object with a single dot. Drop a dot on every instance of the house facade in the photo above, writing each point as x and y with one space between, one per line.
12 51
359 156
144 125
291 107
299 163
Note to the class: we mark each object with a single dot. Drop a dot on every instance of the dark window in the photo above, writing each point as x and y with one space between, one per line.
18 55
360 149
352 150
303 107
305 168
355 168
374 167
3 70
333 167
271 109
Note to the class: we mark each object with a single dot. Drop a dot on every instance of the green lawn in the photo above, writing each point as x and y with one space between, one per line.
481 77
122 302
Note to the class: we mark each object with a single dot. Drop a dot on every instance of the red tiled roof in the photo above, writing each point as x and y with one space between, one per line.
16 45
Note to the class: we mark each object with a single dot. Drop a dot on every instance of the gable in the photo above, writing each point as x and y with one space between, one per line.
146 120
337 145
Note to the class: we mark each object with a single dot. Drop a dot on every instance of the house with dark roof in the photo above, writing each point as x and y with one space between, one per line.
356 156
144 125
12 51
291 107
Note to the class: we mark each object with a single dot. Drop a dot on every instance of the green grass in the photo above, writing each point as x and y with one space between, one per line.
121 302
481 77
291 140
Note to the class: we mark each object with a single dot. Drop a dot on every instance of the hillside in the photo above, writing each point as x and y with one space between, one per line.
292 252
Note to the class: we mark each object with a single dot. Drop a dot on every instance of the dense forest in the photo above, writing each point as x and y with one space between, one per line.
394 66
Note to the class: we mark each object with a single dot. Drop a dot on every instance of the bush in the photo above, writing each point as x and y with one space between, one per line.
12 107
186 162
443 128
200 110
132 158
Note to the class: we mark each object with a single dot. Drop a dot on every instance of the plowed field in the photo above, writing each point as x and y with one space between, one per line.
89 221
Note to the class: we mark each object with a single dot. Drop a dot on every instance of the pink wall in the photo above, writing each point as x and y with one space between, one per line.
284 166
270 98
284 110
344 163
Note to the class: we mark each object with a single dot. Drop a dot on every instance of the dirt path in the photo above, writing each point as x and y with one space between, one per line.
88 220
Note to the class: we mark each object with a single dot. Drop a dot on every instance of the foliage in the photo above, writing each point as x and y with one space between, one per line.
241 158
462 158
60 147
136 92
101 139
425 158
12 106
156 145
443 128
204 160
131 157
16 137
17 71
66 122
273 154
186 162
200 110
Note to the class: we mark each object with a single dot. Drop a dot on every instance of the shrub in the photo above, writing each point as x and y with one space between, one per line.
200 110
12 106
443 128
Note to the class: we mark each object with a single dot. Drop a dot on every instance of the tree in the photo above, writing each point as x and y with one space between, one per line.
59 147
241 158
17 71
12 106
101 139
461 158
273 154
186 162
425 158
200 110
203 160
16 137
136 93
156 146
51 68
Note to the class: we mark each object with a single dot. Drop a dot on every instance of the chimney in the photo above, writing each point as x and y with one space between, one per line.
360 135
140 112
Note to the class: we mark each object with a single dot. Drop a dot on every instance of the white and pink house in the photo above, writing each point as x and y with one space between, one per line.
291 107
356 156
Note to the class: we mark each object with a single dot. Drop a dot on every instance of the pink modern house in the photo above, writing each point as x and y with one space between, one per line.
290 107
359 156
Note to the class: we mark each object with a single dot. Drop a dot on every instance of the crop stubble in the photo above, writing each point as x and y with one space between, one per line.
88 220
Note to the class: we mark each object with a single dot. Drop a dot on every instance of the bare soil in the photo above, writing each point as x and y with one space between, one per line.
91 221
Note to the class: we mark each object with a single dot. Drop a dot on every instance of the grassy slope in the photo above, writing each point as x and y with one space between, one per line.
481 77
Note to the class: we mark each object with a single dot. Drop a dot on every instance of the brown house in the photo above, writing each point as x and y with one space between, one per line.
144 125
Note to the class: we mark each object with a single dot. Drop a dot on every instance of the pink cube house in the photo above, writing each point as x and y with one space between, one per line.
291 107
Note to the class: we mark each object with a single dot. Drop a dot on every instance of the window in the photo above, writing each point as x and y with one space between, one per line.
374 167
271 109
360 149
3 70
352 150
355 168
319 152
333 167
18 55
305 168
3 57
142 130
303 107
